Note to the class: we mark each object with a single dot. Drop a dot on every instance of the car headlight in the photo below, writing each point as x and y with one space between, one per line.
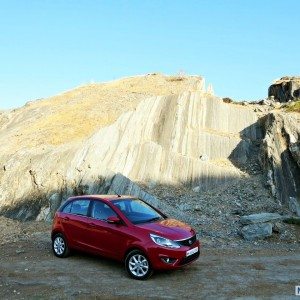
161 241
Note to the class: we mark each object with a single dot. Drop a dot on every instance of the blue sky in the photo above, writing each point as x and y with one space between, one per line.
240 46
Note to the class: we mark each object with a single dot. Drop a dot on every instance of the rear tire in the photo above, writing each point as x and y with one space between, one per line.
138 265
59 246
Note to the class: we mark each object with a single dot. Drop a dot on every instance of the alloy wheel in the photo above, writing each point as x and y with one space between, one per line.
138 265
59 245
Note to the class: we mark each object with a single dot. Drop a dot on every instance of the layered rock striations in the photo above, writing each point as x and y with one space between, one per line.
281 147
174 133
164 139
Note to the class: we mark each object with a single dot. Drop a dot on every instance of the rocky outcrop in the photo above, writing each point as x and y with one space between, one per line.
285 89
191 138
281 148
75 115
163 140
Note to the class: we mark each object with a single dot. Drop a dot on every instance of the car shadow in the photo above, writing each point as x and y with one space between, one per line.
118 268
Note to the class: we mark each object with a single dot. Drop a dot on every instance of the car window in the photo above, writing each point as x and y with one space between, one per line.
80 207
101 211
121 206
67 208
140 207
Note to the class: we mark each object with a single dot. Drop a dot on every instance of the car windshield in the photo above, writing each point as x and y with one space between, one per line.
137 211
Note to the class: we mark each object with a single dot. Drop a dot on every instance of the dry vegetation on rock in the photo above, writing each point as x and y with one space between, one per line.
294 107
80 112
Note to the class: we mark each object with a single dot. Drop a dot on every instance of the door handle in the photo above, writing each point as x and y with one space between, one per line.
92 225
66 219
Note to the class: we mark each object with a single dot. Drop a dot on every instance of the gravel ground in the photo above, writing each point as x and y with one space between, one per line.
29 270
216 213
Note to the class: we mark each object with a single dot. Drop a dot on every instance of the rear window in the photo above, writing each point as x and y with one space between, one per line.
67 208
77 207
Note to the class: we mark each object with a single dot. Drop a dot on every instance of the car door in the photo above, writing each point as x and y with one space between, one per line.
75 222
105 238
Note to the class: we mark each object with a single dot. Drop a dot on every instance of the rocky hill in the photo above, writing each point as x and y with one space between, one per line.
285 89
164 138
74 115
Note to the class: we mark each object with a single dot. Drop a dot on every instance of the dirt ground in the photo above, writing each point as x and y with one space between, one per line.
29 270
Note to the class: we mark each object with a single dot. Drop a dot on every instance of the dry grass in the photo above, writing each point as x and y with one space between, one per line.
294 106
223 162
76 114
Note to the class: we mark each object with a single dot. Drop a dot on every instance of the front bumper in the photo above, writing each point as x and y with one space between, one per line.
167 258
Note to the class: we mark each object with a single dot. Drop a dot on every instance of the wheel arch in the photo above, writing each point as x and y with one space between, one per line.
55 232
135 247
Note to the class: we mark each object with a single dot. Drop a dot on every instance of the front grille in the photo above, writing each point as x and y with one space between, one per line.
189 259
188 242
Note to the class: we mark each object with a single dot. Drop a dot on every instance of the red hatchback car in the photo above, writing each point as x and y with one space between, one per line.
126 229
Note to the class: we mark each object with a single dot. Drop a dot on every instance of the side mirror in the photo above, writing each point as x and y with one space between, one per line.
113 220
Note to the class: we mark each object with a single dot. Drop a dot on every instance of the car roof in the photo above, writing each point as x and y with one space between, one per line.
102 197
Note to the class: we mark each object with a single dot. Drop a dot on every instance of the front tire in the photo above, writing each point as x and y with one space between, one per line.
59 246
138 265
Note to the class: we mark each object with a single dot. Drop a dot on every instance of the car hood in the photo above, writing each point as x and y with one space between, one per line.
169 228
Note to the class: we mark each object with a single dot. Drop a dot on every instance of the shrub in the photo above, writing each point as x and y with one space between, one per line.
294 106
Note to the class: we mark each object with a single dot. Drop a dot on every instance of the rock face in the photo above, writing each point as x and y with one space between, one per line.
294 206
281 147
285 89
163 140
185 137
74 115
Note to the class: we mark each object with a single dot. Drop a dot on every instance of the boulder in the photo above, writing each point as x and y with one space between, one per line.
257 231
285 89
260 218
122 185
227 100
